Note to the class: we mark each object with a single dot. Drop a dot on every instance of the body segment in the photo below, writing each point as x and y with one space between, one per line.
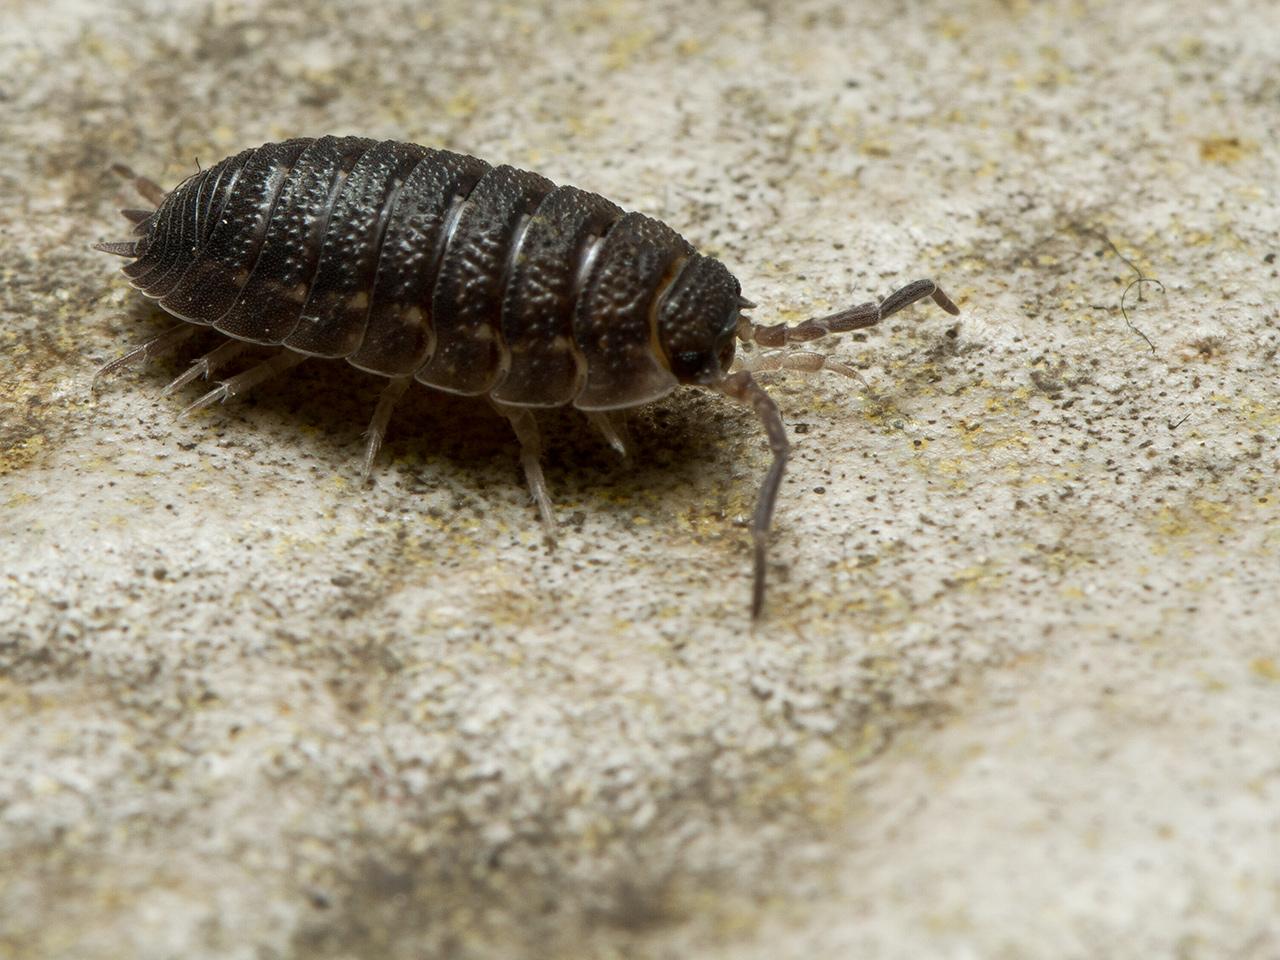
220 263
270 303
466 303
561 243
398 337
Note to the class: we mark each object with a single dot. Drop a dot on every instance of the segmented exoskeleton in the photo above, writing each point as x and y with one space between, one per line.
420 264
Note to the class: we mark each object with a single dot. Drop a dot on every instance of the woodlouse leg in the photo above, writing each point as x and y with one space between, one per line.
152 348
149 189
206 365
801 361
742 388
853 318
526 428
391 395
613 427
241 382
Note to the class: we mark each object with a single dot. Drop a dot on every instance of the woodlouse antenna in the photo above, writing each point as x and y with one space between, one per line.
742 388
852 318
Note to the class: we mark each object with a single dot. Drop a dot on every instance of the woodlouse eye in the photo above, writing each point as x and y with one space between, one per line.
689 361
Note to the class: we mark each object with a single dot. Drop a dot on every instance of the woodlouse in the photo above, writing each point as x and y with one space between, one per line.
421 264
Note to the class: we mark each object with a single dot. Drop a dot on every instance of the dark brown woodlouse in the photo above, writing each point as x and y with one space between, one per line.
420 264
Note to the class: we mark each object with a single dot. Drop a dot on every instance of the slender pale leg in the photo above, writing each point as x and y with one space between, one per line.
526 428
233 387
157 345
206 365
391 395
612 425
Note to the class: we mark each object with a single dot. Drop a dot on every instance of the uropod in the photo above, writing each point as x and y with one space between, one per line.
423 265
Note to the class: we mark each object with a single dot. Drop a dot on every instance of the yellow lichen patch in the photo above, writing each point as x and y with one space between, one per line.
109 53
1266 668
504 603
20 454
1209 682
1224 151
587 125
978 577
948 921
951 28
1256 413
1195 238
1214 514
1200 518
462 104
976 438
143 501
624 50
690 47
956 469
1190 47
1251 193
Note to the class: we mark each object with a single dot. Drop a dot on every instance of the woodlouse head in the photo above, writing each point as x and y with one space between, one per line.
698 322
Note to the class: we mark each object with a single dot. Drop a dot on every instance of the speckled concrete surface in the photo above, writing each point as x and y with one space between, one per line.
1018 692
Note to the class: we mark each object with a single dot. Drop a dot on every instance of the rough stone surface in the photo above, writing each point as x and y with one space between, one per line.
1018 692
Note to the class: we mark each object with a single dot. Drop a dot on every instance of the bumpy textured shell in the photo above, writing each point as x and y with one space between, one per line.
407 260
